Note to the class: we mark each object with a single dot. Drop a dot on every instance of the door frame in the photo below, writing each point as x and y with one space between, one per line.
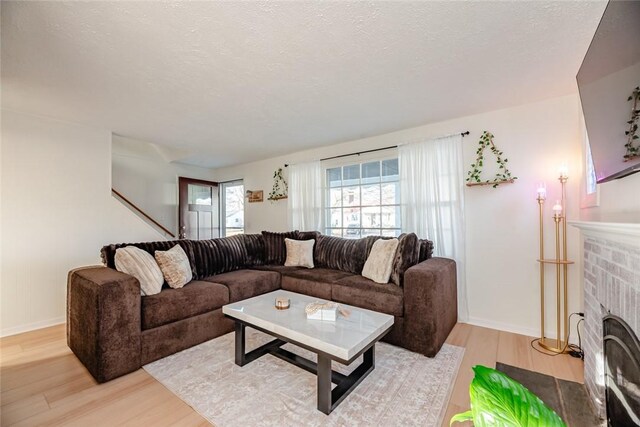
183 197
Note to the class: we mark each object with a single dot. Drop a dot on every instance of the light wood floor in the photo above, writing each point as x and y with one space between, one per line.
43 383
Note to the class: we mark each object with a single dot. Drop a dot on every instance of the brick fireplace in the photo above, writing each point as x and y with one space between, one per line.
611 263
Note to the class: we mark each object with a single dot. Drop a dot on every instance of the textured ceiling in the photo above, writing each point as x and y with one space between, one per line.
230 82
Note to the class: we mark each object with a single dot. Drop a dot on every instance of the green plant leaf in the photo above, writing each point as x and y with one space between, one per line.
461 417
497 400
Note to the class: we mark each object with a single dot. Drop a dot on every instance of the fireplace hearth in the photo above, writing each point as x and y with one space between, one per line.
611 273
621 372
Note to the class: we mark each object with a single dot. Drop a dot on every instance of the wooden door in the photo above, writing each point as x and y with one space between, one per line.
198 210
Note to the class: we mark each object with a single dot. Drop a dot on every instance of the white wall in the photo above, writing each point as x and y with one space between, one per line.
146 178
501 224
619 201
56 213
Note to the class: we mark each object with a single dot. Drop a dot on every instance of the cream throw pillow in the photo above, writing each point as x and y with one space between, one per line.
175 266
380 261
299 253
141 265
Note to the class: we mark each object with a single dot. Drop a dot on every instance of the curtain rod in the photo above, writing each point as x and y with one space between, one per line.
463 134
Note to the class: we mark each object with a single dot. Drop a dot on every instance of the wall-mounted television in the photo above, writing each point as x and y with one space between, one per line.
607 78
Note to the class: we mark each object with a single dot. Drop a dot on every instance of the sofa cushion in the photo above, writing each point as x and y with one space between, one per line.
299 253
406 256
275 251
315 282
234 250
307 287
175 266
308 235
380 261
171 305
316 274
426 249
255 249
141 265
215 256
341 254
108 252
362 292
278 268
245 284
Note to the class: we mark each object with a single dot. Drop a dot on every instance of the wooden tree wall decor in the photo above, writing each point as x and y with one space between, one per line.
280 186
503 176
632 134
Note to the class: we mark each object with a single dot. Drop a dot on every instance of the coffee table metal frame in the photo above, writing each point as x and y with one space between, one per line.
328 399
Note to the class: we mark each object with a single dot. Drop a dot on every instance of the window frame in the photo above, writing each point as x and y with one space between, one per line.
359 159
587 199
223 206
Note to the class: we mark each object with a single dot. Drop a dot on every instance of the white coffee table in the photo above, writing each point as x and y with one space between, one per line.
343 340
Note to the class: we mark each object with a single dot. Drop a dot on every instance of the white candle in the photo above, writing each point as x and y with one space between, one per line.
557 208
542 191
564 171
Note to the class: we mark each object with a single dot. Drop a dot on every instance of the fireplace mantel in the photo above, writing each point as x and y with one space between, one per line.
623 232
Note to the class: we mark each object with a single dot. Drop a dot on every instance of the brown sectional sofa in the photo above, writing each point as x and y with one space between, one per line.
114 330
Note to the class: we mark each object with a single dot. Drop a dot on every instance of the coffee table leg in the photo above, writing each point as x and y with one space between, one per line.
324 384
240 342
328 399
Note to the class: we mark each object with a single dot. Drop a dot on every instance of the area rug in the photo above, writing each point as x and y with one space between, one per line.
404 389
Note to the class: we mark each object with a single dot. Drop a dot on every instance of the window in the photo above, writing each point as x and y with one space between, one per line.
589 192
363 199
232 208
590 171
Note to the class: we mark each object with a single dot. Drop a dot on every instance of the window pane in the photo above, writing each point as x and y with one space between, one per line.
390 170
351 196
334 217
391 193
351 218
390 233
371 217
370 172
371 195
335 198
199 194
351 174
590 172
352 233
391 216
334 177
337 232
234 206
363 200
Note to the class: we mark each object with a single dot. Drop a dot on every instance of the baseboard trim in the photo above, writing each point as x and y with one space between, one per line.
7 332
530 332
492 324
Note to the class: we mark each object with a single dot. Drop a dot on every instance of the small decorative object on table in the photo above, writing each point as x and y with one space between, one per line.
322 311
282 303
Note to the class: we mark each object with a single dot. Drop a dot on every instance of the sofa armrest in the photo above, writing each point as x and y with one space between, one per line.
430 304
103 321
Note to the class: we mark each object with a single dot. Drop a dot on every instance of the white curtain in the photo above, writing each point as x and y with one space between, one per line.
432 197
305 196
